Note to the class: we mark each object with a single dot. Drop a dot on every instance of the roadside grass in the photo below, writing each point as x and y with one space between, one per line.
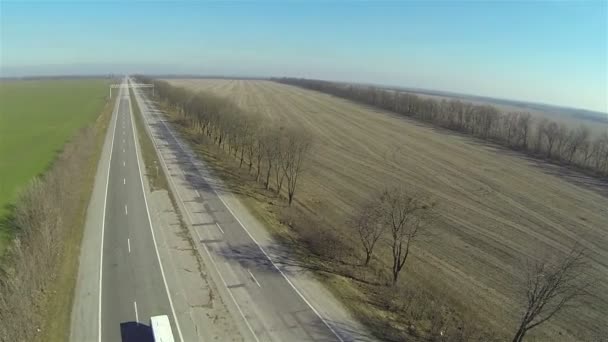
59 305
154 170
36 119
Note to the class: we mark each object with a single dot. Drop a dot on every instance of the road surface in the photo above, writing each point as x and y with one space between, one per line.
261 290
133 285
136 262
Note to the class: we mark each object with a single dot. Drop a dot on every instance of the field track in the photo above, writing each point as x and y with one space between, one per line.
497 209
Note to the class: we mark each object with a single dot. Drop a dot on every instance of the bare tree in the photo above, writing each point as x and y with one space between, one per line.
523 127
405 217
577 141
551 133
367 221
550 288
562 139
260 152
296 147
272 154
278 154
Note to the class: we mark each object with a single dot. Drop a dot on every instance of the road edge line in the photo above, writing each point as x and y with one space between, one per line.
170 179
103 218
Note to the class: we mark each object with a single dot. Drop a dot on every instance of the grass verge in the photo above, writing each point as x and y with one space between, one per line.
154 171
57 316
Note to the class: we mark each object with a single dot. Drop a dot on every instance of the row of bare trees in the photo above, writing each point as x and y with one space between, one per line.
273 153
45 214
545 138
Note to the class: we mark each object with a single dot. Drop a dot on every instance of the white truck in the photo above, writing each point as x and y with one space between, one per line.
161 329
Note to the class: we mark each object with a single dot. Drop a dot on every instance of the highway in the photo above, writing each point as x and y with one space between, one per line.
272 308
220 278
133 287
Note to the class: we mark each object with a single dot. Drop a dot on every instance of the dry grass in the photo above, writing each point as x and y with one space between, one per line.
57 315
154 172
497 209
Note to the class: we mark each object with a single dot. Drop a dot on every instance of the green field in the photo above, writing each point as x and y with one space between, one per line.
36 118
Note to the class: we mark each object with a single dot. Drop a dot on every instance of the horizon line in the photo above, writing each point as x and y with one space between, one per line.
424 91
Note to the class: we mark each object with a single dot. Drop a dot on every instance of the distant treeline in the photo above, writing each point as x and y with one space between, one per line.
557 142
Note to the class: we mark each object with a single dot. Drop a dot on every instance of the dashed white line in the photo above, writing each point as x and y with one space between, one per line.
126 211
136 314
162 271
129 244
220 228
253 277
123 163
124 181
123 149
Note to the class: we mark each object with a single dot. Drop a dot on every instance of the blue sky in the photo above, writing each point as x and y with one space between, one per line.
549 52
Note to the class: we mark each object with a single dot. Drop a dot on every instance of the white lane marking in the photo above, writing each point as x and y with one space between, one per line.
252 277
129 244
124 181
254 240
103 220
280 271
123 163
238 307
126 211
123 149
220 228
136 315
162 271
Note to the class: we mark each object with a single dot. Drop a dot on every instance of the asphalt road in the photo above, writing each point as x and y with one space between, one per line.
133 287
271 307
123 279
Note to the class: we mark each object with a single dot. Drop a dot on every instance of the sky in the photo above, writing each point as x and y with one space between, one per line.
546 52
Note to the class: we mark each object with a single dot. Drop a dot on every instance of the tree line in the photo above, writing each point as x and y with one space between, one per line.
394 218
558 142
48 210
275 154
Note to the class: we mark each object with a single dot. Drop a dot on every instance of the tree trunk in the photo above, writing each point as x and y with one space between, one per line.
268 176
519 336
368 257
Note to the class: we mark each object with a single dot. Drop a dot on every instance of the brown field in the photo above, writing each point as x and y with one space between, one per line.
497 208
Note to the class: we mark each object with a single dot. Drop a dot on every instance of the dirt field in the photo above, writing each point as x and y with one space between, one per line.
496 208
